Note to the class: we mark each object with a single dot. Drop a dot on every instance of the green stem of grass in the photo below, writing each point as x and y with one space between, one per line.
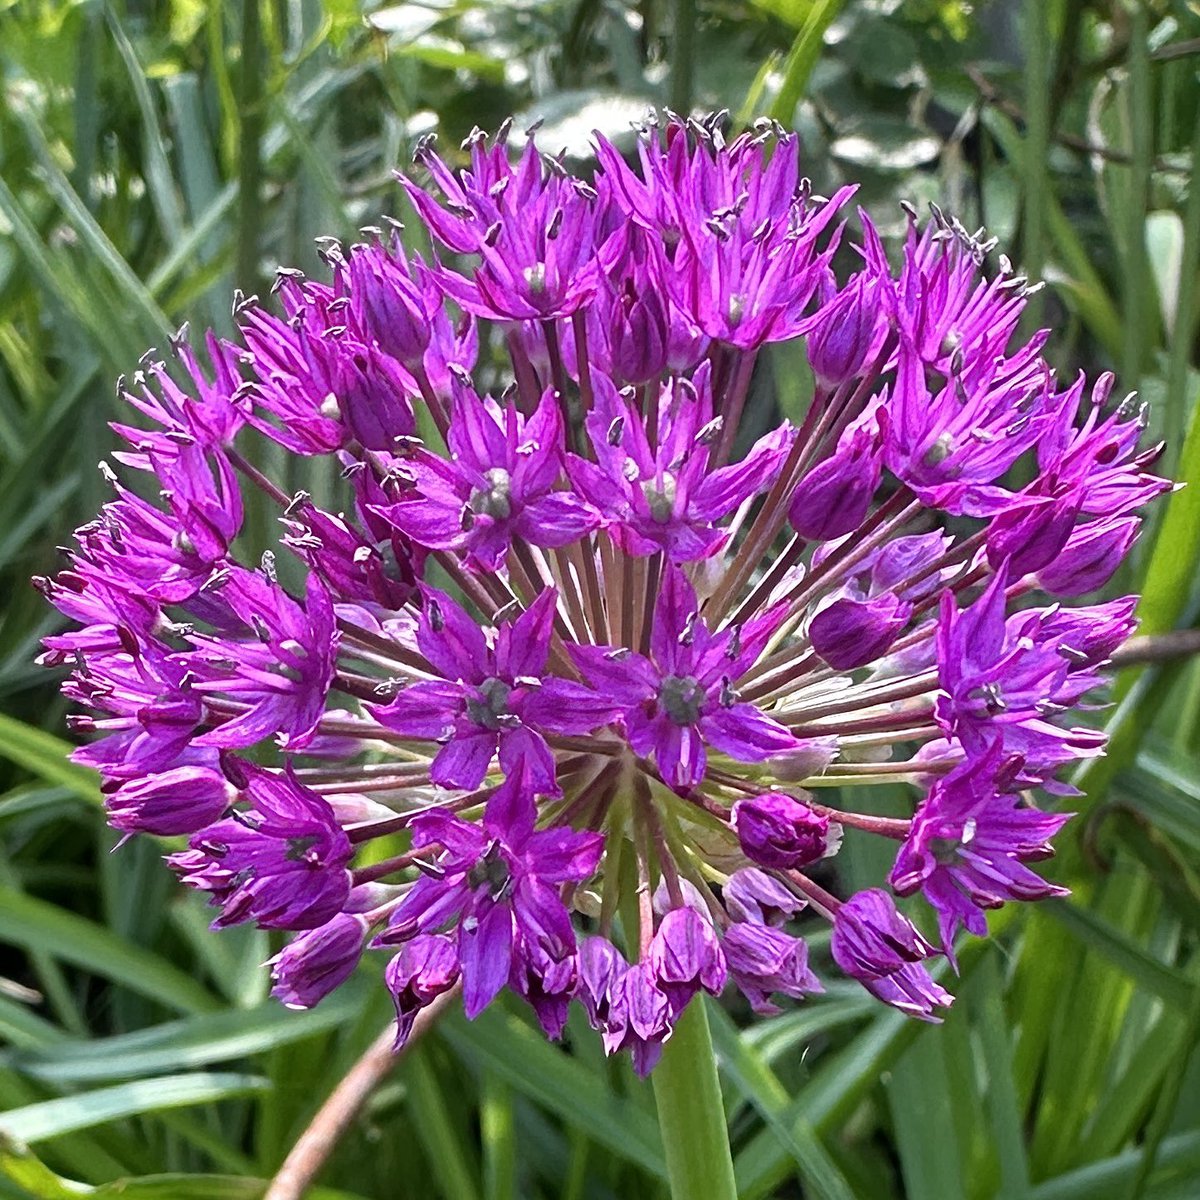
1138 334
691 1114
249 145
683 53
1037 148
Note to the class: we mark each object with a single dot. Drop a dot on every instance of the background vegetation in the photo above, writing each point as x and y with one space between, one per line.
153 156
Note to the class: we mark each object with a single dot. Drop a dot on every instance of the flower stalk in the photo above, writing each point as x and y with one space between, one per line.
691 1113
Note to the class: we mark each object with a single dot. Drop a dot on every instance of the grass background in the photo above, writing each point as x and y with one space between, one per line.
153 157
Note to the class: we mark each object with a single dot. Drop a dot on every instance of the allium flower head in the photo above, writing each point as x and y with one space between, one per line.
568 628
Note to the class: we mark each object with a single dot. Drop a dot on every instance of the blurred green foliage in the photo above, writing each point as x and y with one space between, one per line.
153 156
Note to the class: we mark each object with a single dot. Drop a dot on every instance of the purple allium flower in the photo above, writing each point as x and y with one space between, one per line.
498 882
681 698
426 966
639 1017
493 697
499 484
180 800
273 663
685 956
759 898
874 944
970 839
656 486
281 861
612 625
763 960
1009 678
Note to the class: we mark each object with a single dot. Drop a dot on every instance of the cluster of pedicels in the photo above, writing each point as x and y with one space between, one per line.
653 642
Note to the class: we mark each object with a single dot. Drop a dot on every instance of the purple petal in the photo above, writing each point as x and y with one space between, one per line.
423 710
745 733
464 760
486 955
451 639
563 706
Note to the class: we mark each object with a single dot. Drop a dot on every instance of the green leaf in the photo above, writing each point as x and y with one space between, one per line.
36 925
1109 1179
498 1135
749 1073
451 1159
1003 1103
19 1166
194 1042
923 1107
803 57
46 756
1169 985
68 1114
530 1065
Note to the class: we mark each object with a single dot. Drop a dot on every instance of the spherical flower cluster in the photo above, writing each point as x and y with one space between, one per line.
586 645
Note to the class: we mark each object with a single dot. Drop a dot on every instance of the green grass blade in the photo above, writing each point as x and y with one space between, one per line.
498 1135
750 1075
69 1114
450 1158
530 1065
1111 1178
159 178
37 925
44 755
1170 985
194 1042
987 998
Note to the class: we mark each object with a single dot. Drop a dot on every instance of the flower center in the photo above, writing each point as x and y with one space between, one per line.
494 500
389 561
945 850
660 498
490 705
491 871
940 450
681 698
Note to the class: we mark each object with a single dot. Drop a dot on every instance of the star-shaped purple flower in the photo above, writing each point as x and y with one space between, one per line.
1011 678
280 861
969 842
681 698
498 882
662 494
499 483
491 697
275 660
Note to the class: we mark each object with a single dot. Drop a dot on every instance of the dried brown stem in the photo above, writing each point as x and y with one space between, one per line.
319 1140
1157 648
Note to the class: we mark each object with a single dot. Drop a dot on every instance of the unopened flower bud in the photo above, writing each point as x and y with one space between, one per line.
843 333
390 306
754 896
685 957
851 633
182 800
778 831
1091 555
316 962
833 499
426 966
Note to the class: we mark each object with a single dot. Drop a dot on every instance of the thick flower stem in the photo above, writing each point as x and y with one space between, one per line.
690 1113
